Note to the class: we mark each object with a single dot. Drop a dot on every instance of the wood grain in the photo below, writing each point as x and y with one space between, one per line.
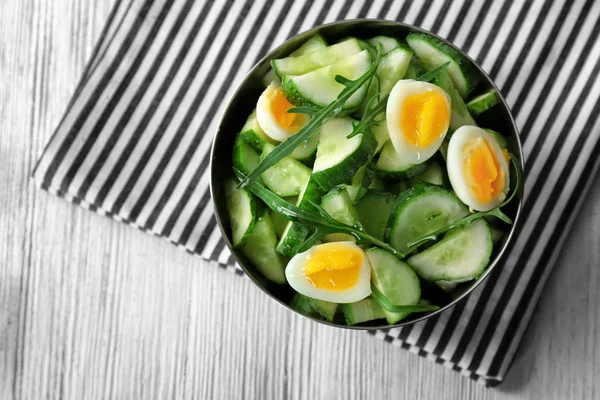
93 309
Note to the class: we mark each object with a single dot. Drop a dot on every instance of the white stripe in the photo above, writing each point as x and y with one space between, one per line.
451 18
466 27
488 22
395 8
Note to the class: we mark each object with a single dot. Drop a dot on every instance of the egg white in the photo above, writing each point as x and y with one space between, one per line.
407 151
297 279
455 165
267 121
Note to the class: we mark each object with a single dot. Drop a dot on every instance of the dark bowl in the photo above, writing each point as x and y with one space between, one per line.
243 102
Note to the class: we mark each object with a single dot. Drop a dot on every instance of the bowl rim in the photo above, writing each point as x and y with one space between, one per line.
490 267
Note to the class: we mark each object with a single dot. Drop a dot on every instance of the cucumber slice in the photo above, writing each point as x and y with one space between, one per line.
360 182
382 135
279 223
390 70
497 234
374 211
314 43
387 43
338 205
499 138
286 178
391 167
461 255
260 250
362 311
253 134
483 102
316 59
377 184
339 159
444 149
242 212
294 233
306 152
447 286
459 115
304 305
395 279
433 52
415 69
244 157
420 210
319 87
326 309
434 175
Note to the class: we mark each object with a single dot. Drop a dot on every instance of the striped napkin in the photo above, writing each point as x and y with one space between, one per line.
134 141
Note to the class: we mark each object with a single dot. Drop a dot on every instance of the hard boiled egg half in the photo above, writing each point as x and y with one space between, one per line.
418 117
478 168
272 115
338 272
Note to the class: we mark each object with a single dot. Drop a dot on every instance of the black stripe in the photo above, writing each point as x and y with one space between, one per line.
300 19
184 125
493 33
510 39
404 11
115 98
274 29
405 333
384 10
217 250
205 235
449 328
98 90
129 111
476 26
344 10
426 6
552 78
461 15
533 238
439 20
323 13
154 104
364 10
159 207
540 225
231 259
427 331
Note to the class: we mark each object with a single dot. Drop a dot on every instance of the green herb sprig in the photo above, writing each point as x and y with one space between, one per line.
320 220
494 212
319 118
387 305
431 75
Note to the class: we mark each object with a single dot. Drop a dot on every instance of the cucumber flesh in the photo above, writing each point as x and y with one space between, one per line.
434 174
483 102
421 210
387 43
286 178
316 59
382 135
269 78
244 157
415 69
319 87
338 158
459 114
260 250
395 279
499 138
242 212
306 151
391 167
497 234
433 52
253 134
338 205
279 223
463 254
362 311
374 211
361 182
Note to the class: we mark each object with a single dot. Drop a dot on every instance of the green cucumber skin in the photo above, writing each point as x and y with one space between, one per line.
405 198
374 211
343 172
385 272
232 190
304 305
326 309
483 102
434 175
469 73
260 250
244 157
253 134
443 275
362 311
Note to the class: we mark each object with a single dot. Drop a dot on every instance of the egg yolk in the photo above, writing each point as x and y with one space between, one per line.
424 118
483 170
279 106
334 267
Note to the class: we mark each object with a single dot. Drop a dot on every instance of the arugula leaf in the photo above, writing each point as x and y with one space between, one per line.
320 220
315 124
387 305
370 116
494 212
431 75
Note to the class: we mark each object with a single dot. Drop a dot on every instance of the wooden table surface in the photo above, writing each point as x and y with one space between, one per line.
93 309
